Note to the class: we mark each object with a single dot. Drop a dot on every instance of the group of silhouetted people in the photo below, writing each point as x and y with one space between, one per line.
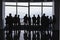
28 20
12 20
43 20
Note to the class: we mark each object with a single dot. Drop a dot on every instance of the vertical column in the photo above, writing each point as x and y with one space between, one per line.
16 8
41 8
28 8
1 23
59 20
56 26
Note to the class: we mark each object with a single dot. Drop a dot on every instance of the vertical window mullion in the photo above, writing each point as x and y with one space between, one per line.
41 8
16 8
28 8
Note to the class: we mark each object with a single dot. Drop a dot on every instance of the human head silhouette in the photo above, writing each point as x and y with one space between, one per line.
47 16
38 15
6 16
18 15
15 15
33 15
50 17
9 14
26 14
44 14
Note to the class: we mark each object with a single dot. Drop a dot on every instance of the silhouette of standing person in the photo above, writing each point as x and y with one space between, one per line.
10 20
10 24
47 23
18 20
25 19
7 21
15 20
43 22
34 20
54 20
29 20
38 20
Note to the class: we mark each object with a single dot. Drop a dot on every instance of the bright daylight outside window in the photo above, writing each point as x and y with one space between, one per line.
22 8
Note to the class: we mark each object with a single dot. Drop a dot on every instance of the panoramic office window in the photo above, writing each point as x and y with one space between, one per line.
32 8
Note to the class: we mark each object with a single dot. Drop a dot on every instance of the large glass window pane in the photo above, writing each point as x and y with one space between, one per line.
22 3
48 3
11 10
35 3
48 11
22 11
35 11
10 3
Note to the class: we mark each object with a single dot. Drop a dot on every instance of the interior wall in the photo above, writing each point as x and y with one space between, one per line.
59 21
1 23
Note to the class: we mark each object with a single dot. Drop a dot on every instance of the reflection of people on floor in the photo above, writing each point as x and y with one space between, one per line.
25 36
